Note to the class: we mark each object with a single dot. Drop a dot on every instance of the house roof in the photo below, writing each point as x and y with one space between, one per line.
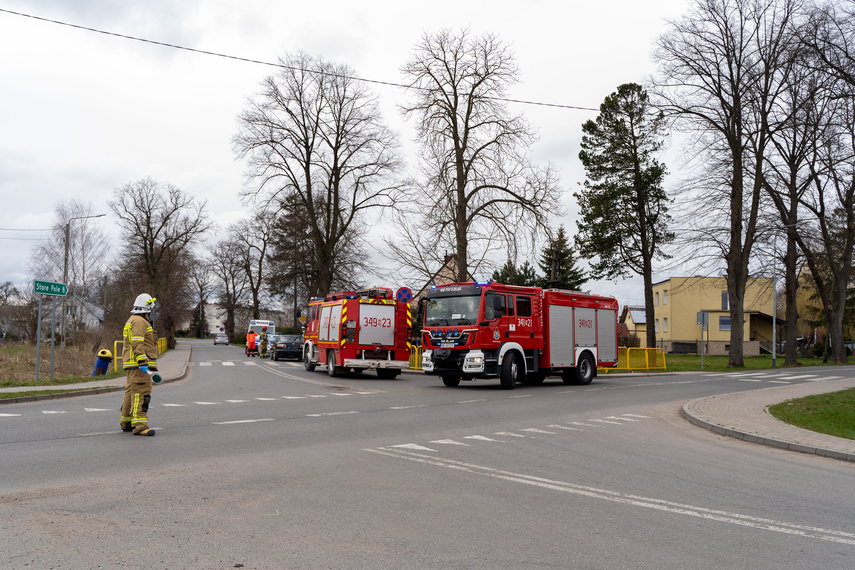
636 313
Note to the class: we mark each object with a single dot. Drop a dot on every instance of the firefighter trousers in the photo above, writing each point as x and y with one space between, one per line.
136 400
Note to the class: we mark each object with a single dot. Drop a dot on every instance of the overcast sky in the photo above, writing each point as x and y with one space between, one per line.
83 113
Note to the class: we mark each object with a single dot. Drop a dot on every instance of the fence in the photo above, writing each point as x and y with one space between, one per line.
638 359
416 357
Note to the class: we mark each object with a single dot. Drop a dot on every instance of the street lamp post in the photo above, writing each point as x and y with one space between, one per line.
65 270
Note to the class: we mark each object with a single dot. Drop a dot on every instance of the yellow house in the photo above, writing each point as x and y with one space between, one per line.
678 300
634 318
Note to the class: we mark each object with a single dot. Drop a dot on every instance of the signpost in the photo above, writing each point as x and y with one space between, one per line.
54 290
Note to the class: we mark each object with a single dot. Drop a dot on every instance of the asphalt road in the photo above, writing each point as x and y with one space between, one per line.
265 465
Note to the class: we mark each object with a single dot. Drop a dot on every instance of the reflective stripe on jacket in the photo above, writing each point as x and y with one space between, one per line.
140 343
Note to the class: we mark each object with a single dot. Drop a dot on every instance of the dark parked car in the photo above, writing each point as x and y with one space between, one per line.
221 339
287 346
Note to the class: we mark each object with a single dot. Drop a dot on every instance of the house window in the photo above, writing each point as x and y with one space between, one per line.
656 299
724 304
724 323
656 325
665 297
664 325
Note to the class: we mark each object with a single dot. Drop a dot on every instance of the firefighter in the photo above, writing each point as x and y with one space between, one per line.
139 357
263 343
250 342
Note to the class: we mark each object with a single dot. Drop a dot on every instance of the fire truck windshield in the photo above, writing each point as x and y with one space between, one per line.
461 310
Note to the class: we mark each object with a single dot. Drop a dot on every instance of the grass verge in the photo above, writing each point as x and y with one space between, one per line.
831 414
692 363
31 393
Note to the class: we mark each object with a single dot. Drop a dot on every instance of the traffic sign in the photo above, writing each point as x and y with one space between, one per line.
49 288
404 295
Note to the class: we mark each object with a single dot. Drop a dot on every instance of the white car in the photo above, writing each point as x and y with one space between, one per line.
221 338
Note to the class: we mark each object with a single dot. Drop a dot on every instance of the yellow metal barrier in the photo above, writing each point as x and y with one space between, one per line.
416 357
638 359
119 346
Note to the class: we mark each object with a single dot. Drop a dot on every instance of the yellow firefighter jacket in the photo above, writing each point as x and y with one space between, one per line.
140 343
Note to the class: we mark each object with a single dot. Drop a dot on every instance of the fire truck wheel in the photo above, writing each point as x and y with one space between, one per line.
451 381
585 370
332 369
510 371
307 361
387 374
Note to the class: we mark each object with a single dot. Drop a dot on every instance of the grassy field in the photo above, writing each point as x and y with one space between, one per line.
832 414
692 363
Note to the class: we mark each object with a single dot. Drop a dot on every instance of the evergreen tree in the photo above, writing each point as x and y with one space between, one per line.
510 274
558 264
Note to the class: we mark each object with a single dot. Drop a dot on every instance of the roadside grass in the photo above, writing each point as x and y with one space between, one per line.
692 363
71 366
27 394
831 414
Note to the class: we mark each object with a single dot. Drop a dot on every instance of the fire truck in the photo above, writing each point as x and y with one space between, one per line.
517 334
359 330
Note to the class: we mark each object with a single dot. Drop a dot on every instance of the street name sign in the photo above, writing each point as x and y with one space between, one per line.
49 288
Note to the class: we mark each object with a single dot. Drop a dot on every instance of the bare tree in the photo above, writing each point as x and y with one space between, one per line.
253 237
478 190
722 70
87 259
313 137
201 279
159 225
231 280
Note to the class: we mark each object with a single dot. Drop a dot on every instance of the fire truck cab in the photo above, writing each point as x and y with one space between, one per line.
358 330
517 334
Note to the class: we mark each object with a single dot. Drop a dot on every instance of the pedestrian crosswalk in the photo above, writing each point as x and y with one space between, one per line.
776 377
209 363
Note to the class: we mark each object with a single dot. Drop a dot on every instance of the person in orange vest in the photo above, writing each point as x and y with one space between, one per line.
250 342
139 355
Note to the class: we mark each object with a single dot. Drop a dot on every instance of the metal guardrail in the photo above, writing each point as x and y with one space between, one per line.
638 359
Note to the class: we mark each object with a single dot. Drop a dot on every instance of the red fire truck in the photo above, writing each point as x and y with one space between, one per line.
517 334
358 330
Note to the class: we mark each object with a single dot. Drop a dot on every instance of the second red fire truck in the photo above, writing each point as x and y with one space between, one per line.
517 334
359 330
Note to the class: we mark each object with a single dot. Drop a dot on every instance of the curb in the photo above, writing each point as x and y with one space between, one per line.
751 438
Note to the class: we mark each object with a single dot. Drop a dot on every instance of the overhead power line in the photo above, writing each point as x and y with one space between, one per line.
271 64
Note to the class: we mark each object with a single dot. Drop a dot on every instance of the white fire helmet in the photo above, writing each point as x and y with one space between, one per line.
142 304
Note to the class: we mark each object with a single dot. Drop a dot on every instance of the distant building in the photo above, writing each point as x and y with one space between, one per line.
678 301
635 319
444 276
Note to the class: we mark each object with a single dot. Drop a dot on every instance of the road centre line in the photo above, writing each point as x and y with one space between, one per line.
471 401
631 500
331 414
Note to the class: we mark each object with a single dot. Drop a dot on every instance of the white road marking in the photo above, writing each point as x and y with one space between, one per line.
779 382
408 407
236 401
523 396
481 438
535 430
471 401
247 363
100 433
96 409
204 364
802 377
565 427
414 446
314 396
229 363
582 424
620 418
636 416
450 442
626 499
206 403
331 414
243 421
10 415
507 433
340 394
748 380
173 405
294 397
605 422
53 412
267 399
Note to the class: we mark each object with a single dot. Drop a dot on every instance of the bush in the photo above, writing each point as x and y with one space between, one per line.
818 349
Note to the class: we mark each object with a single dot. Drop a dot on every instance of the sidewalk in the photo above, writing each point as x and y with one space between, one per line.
172 366
743 415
